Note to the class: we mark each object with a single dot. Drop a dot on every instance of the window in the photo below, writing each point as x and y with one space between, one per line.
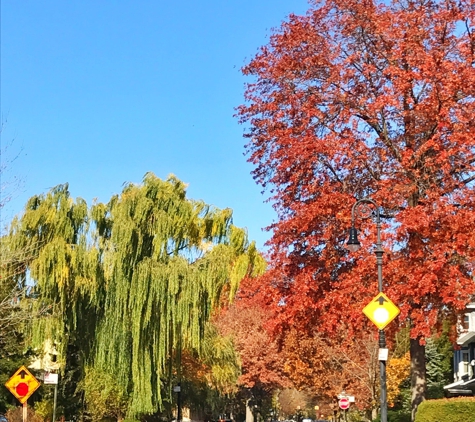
466 322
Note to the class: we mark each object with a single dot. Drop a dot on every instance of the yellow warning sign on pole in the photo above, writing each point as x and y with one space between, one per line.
381 311
22 384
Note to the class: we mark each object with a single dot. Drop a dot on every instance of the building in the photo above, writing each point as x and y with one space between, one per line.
464 358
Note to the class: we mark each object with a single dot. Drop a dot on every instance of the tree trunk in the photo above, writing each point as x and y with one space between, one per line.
249 413
418 375
374 413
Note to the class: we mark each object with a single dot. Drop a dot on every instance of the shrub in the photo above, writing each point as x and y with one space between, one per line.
44 409
447 410
397 416
16 415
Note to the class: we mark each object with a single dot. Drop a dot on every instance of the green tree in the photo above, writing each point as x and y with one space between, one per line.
439 363
132 281
104 398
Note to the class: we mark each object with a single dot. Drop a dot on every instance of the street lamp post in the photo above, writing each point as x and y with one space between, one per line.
362 208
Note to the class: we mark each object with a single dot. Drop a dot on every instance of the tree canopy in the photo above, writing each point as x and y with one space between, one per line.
134 279
368 99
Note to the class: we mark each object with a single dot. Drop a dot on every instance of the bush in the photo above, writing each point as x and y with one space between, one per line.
397 416
16 415
447 410
44 409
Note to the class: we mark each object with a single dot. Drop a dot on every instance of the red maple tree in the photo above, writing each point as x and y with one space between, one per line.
366 98
246 320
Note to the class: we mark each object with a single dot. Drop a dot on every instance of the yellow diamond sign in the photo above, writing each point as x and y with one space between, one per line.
22 384
381 311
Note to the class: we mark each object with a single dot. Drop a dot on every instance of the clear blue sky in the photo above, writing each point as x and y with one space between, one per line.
98 92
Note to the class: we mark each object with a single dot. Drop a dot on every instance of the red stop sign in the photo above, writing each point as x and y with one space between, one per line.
22 389
344 403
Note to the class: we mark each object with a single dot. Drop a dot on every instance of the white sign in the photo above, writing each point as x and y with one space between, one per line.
343 395
50 378
383 354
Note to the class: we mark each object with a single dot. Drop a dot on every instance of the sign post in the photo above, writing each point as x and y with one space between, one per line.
22 384
52 378
381 311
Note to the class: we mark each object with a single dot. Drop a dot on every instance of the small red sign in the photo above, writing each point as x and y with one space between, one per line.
22 389
344 403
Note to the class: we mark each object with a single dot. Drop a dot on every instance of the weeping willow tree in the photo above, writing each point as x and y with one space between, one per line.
134 279
167 262
64 268
15 295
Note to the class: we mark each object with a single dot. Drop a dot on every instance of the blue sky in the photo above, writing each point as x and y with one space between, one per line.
96 93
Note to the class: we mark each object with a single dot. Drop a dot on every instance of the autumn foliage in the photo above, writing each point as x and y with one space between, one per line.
246 320
358 99
367 98
327 366
398 370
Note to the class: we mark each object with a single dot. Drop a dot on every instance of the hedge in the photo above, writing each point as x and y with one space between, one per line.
447 410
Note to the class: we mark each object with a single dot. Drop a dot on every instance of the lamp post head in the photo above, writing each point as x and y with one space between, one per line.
353 243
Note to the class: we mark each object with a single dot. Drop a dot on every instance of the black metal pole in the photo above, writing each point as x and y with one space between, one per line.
379 263
382 337
179 416
55 401
382 373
